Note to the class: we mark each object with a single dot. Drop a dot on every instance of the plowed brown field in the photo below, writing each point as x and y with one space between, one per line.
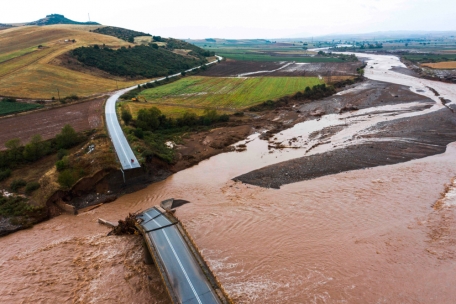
48 123
233 68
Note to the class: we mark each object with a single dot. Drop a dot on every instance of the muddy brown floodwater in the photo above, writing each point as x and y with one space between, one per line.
363 236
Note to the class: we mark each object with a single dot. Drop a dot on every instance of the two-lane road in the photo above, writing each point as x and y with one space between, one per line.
188 282
124 152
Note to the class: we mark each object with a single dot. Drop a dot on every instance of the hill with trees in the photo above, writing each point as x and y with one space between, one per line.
141 60
58 19
124 34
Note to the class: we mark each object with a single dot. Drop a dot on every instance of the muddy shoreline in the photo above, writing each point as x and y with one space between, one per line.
389 142
198 146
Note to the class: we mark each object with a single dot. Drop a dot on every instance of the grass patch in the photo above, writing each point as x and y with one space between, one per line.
7 108
232 93
5 57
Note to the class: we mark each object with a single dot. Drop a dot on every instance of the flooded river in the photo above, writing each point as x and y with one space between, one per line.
365 236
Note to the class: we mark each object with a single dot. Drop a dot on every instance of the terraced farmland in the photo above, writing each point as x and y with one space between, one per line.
226 93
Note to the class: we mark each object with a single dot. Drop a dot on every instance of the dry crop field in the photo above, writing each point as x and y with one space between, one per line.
27 72
441 65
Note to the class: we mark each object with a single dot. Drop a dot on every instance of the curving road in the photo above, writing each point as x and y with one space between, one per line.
123 150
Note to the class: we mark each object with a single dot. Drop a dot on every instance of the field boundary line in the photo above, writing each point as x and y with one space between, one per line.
22 67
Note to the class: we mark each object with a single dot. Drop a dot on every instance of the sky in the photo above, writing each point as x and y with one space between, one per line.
244 19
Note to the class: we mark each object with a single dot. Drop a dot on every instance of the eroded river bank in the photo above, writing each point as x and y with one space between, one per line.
360 236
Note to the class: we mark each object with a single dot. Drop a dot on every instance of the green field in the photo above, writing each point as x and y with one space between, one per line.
8 56
421 58
230 93
16 107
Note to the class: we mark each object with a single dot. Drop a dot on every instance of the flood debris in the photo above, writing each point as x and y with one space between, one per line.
127 226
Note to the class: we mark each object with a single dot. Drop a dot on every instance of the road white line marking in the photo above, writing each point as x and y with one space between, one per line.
178 260
116 96
117 136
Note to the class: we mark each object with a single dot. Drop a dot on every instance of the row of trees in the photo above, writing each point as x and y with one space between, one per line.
127 35
153 119
312 93
17 154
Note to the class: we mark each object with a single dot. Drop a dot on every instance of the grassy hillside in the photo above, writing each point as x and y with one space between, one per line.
27 71
34 61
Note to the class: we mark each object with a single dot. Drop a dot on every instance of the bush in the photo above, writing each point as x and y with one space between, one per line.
139 133
67 138
61 153
7 99
224 118
67 178
72 97
62 164
32 186
14 206
17 184
4 174
126 116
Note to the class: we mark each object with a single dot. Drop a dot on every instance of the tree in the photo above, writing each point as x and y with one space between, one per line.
36 148
13 146
210 116
126 116
188 119
67 178
67 137
148 119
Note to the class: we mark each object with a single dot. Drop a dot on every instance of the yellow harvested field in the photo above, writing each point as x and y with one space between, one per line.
29 74
181 52
441 65
143 39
